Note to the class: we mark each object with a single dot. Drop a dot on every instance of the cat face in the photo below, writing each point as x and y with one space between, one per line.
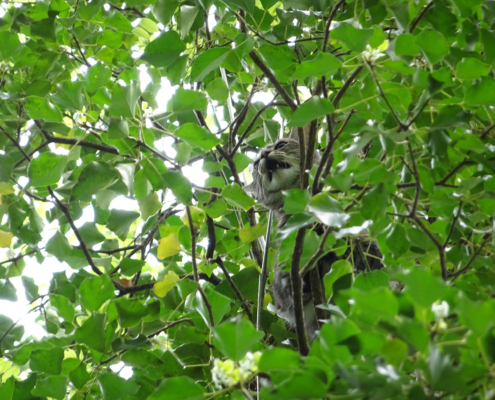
275 169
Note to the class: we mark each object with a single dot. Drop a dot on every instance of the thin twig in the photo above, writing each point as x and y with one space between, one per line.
234 287
263 274
274 81
402 126
16 144
171 325
321 250
346 86
416 179
19 257
84 248
420 16
452 227
195 266
250 126
329 22
437 244
475 254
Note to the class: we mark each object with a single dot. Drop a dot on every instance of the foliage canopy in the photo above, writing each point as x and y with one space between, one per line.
399 96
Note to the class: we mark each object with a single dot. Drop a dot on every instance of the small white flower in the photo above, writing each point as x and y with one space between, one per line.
441 310
228 373
372 54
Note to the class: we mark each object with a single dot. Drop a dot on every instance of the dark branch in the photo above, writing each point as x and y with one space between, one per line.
420 16
274 81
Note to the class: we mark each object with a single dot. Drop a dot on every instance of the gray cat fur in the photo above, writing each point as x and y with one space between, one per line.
277 169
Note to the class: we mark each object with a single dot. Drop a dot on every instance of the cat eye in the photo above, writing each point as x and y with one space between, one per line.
280 145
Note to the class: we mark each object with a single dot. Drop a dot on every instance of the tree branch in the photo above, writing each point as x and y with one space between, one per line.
195 267
420 16
302 339
329 22
84 248
268 73
234 287
346 86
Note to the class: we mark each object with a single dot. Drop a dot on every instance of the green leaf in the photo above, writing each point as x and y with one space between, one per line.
207 62
374 203
130 311
9 44
162 51
59 246
246 5
41 108
64 308
354 39
118 128
164 9
47 169
187 16
94 177
79 376
180 186
295 200
116 388
328 210
217 89
69 95
424 287
129 266
90 234
478 316
47 361
314 108
394 351
248 233
188 100
234 340
433 45
52 386
397 241
177 388
236 196
471 69
149 206
482 93
405 45
323 64
120 222
277 57
96 77
96 291
32 290
277 358
92 332
124 99
197 136
339 269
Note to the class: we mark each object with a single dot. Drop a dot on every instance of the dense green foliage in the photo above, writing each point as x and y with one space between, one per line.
404 95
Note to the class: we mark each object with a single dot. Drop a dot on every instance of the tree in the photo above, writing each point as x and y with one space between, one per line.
399 97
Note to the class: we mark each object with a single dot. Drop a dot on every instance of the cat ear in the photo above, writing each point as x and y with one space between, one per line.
294 135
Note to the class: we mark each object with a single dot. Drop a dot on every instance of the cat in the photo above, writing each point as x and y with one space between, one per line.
275 169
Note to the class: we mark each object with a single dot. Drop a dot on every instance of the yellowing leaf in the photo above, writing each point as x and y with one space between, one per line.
267 299
197 215
168 246
161 288
383 46
5 239
6 188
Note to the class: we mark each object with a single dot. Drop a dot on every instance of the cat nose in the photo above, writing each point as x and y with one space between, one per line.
264 153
